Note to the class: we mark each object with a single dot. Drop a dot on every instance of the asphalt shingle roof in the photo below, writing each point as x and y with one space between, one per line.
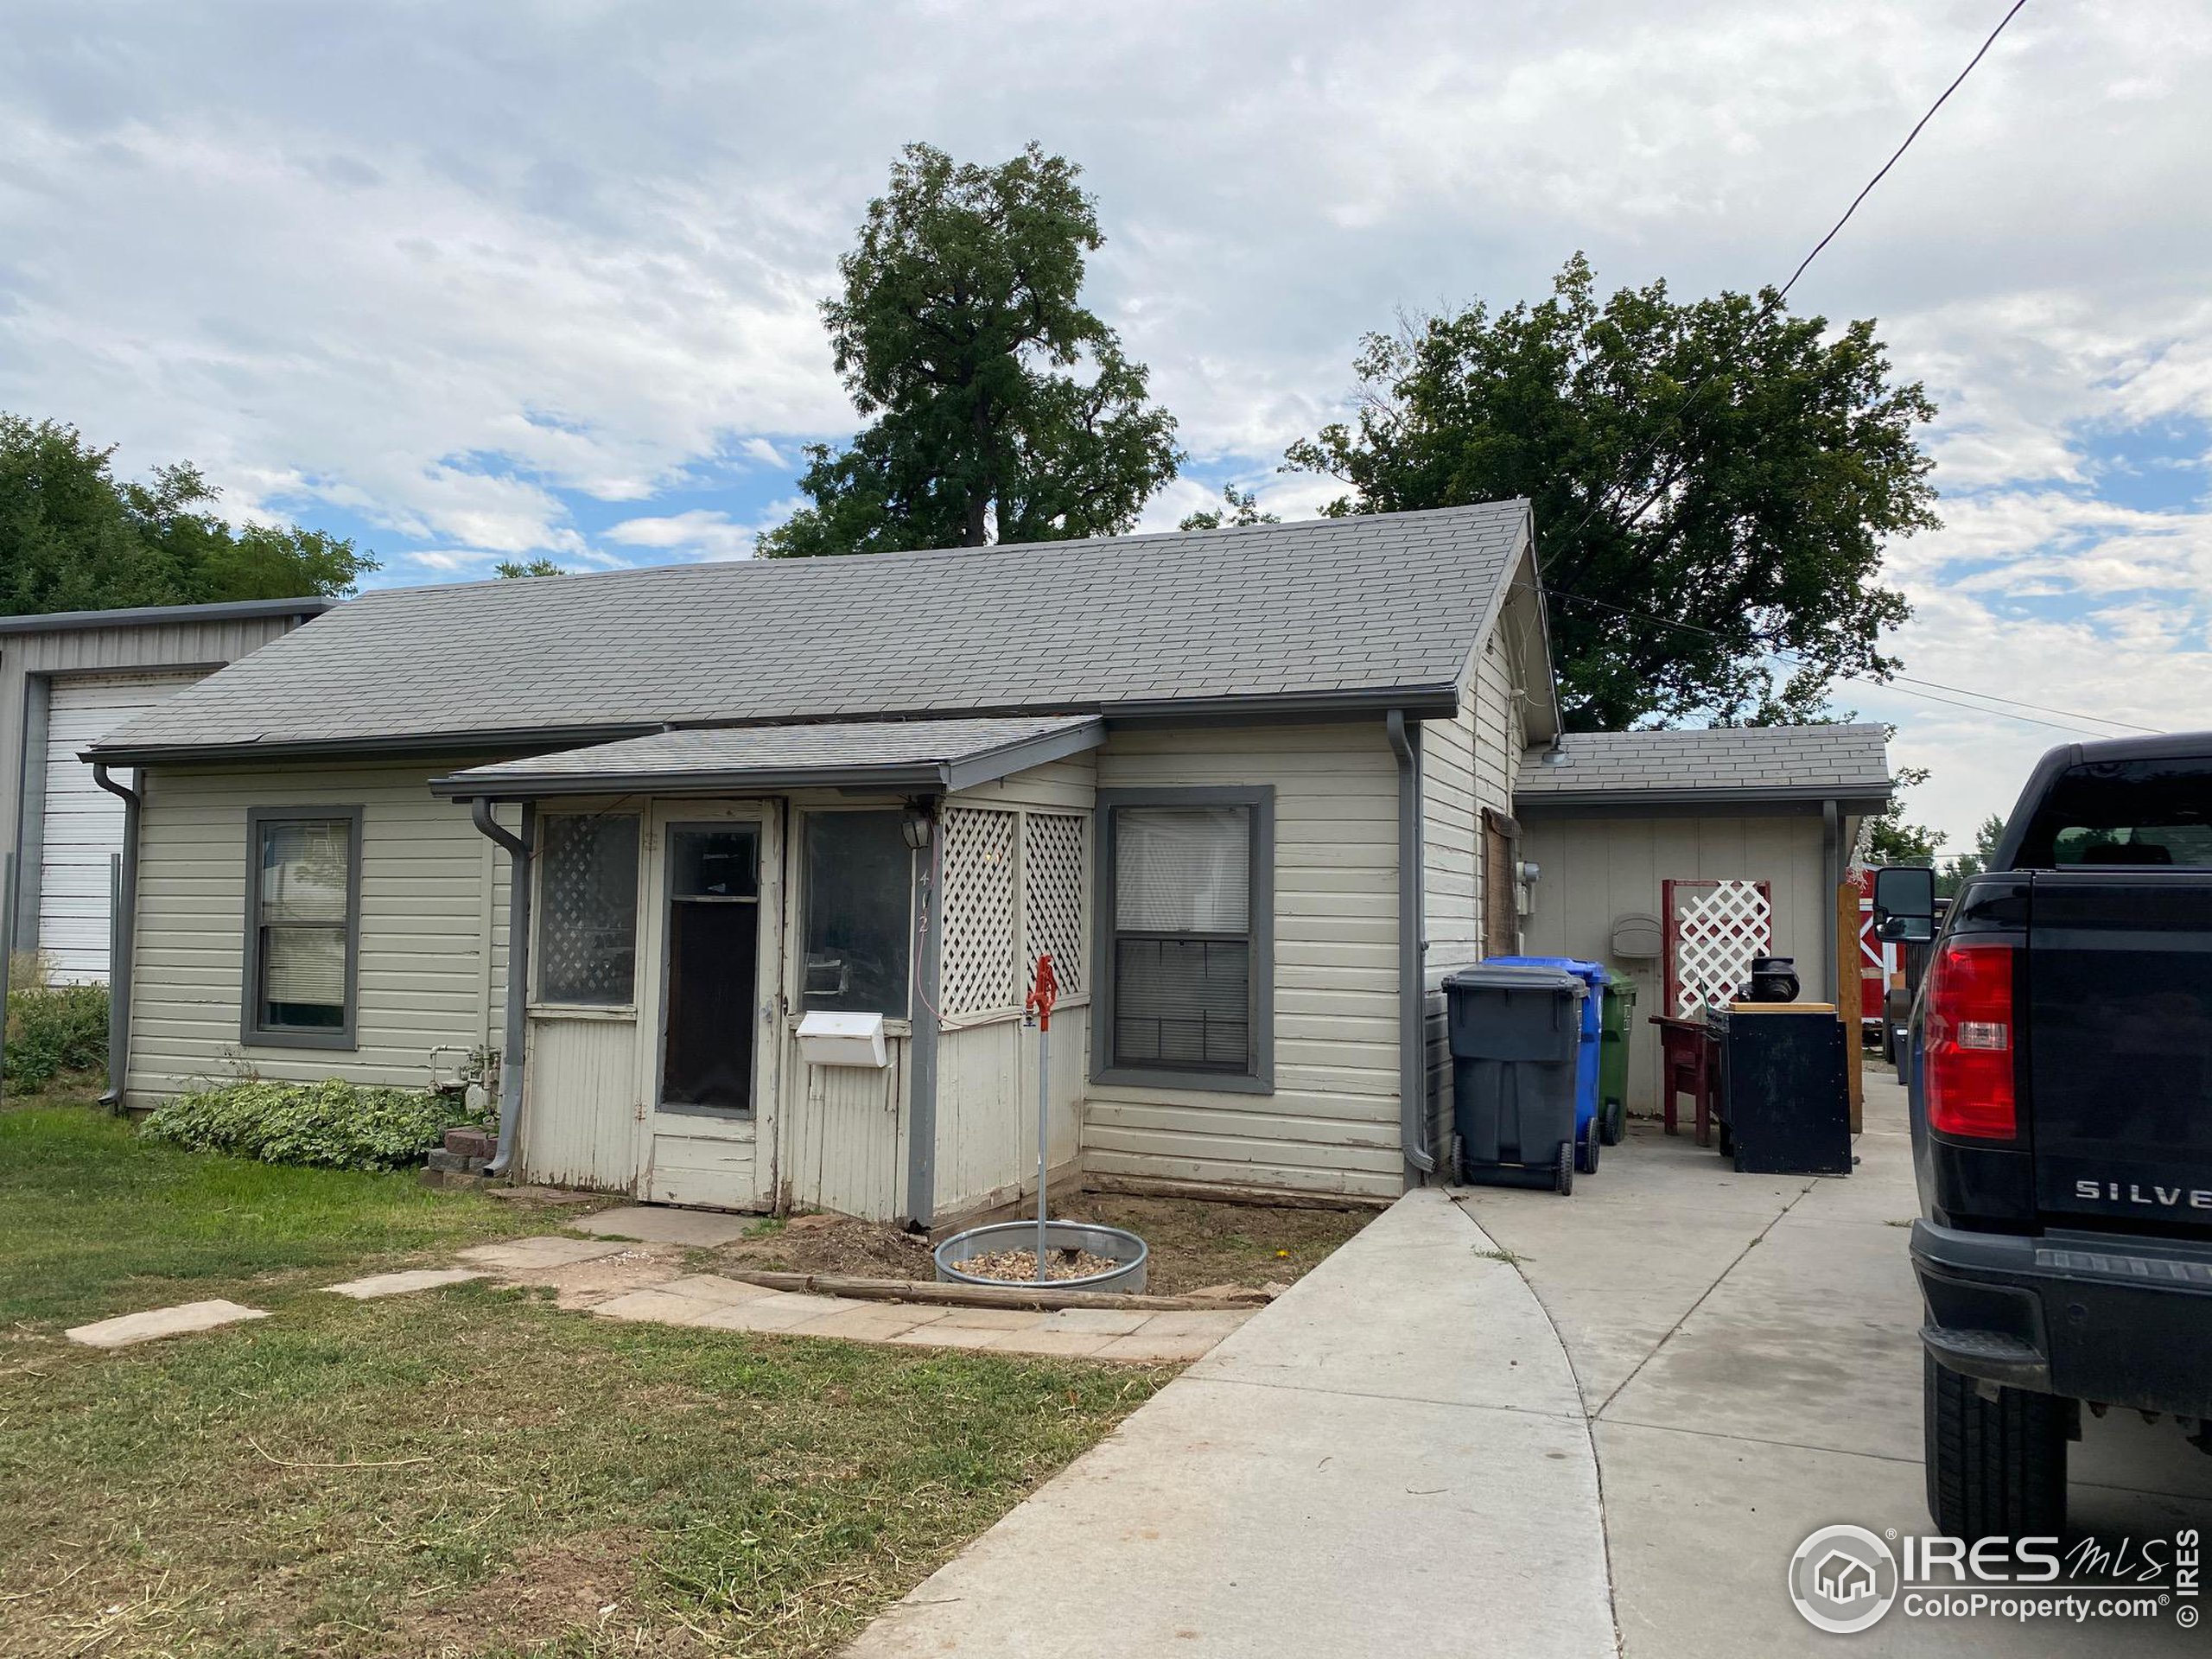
1739 760
834 750
1375 605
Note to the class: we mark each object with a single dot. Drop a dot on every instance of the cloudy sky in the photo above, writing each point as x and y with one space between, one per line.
476 282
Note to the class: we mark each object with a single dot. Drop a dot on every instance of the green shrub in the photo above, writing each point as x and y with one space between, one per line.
333 1124
52 1028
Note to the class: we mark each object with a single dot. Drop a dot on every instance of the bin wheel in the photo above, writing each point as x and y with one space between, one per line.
1612 1123
1585 1155
1727 1142
1563 1181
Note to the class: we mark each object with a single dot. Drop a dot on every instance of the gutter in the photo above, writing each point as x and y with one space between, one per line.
239 610
1413 991
516 1034
123 936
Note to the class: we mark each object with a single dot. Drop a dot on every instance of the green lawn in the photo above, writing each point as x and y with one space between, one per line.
466 1472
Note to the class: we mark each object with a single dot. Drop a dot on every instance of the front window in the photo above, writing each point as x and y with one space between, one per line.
302 909
587 898
858 913
1187 955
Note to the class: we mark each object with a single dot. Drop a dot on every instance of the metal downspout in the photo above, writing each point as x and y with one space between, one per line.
122 935
516 1034
1831 879
1413 994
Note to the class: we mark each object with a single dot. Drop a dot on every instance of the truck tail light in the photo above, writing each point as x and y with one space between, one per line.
1968 1058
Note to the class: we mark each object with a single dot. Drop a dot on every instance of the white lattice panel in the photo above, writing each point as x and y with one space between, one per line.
976 972
1717 928
1054 880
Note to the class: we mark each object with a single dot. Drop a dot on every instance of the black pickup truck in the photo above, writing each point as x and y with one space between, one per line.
2060 1063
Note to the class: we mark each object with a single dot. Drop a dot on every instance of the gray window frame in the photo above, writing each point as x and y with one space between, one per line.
1260 1077
251 1033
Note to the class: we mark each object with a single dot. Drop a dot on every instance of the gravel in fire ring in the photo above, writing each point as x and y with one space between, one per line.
1020 1266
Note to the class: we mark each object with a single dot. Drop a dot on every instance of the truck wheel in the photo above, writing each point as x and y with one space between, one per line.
1996 1468
1563 1178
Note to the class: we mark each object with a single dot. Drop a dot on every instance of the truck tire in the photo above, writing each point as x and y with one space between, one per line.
1996 1468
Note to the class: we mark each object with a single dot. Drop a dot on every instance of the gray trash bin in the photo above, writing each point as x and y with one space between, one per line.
1515 1034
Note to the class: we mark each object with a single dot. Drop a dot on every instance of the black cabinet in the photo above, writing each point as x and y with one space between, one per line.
1784 1098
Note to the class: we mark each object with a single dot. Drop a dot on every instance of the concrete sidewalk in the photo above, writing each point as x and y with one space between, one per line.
1747 1350
1391 1459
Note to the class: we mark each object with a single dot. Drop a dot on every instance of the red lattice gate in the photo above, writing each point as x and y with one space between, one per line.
1713 929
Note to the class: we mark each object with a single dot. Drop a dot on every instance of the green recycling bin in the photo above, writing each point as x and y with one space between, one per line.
1618 1020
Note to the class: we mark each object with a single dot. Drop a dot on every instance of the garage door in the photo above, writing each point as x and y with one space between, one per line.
82 825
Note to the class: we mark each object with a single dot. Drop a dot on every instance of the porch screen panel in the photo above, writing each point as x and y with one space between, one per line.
1055 877
302 923
977 973
587 896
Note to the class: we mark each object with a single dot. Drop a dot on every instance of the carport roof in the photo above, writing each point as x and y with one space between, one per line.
926 756
1713 766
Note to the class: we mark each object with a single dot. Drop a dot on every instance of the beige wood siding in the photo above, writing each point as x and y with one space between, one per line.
423 979
1331 1125
1598 869
592 1140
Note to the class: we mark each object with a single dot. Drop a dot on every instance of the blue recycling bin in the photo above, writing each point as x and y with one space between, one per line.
1587 1052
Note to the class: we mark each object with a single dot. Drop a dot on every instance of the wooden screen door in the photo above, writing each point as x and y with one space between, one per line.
1501 913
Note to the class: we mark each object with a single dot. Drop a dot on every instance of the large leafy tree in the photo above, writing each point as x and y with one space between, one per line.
998 403
1713 484
74 537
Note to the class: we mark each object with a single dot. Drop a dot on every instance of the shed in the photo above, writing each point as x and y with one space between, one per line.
1242 784
67 679
1609 818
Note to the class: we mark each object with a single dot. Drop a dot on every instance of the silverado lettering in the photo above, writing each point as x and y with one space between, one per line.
2196 1197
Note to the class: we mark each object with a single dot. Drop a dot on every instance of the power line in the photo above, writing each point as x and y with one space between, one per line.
1789 655
1697 385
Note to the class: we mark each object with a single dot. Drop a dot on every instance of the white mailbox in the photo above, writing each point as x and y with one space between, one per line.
844 1040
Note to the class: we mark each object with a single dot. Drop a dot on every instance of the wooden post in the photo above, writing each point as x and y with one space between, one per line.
1849 994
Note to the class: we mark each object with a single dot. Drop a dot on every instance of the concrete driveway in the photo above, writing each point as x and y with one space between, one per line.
1746 1349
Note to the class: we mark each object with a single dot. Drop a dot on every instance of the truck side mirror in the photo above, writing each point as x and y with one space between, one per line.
1904 903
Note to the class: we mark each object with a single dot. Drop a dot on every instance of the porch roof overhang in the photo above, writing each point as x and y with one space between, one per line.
904 756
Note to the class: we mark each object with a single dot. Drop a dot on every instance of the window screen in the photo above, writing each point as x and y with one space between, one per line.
858 913
1182 951
302 924
587 899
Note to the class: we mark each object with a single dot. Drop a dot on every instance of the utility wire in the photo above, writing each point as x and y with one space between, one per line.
1789 655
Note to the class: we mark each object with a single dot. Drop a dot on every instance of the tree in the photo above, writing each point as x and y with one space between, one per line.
73 538
1719 465
1891 840
999 403
519 570
1986 835
1237 508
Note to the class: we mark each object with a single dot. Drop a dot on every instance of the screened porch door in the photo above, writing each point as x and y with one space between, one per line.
715 946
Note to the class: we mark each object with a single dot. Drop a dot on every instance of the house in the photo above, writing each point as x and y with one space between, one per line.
1256 791
1229 780
67 679
1610 818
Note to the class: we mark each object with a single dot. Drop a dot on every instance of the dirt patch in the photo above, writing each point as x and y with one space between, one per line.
585 1582
585 1284
1194 1242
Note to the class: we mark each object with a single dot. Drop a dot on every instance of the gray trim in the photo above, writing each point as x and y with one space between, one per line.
991 765
122 937
1831 879
250 1035
1413 949
30 806
922 1041
1709 803
239 610
7 950
521 740
514 1039
1261 1079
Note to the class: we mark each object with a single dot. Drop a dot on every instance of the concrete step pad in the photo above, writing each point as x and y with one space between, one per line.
133 1328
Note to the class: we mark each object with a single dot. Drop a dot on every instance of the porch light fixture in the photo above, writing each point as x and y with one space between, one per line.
916 826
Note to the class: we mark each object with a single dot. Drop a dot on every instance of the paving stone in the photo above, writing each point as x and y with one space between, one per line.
658 1308
944 1333
1212 1327
398 1284
990 1318
1060 1344
162 1322
543 1251
1147 1348
658 1224
778 1310
713 1287
868 1322
1097 1321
